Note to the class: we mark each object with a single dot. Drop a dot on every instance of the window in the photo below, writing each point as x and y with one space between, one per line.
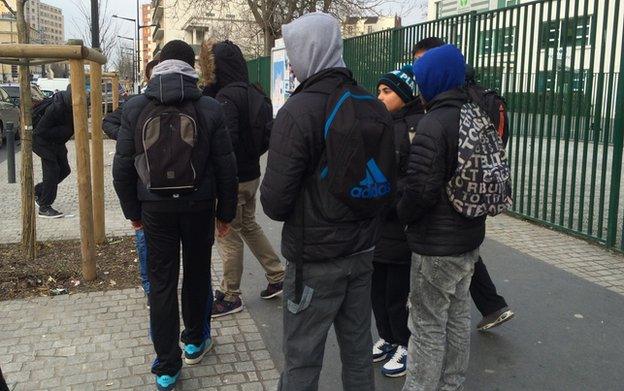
573 81
506 3
577 34
230 16
369 29
497 41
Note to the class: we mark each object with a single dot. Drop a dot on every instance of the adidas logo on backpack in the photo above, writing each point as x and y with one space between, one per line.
374 185
482 181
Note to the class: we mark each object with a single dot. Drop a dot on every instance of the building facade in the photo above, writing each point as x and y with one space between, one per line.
147 44
192 23
46 21
443 8
8 34
355 26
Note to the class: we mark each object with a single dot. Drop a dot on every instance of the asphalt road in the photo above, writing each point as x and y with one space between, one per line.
567 334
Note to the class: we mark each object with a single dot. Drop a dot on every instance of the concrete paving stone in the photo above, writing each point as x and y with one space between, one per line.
211 381
252 376
245 366
269 374
256 386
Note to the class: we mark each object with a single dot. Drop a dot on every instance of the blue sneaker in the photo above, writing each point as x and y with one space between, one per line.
166 382
193 354
382 350
397 365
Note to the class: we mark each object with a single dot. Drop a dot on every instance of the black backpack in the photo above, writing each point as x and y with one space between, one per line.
39 110
260 112
481 184
358 166
494 106
170 152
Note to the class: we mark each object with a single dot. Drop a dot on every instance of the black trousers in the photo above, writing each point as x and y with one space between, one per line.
55 168
164 232
3 385
390 289
483 291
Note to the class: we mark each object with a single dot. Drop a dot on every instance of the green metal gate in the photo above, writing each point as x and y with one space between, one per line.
558 64
260 72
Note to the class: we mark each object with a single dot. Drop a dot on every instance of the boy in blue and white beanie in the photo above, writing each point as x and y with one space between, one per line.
400 82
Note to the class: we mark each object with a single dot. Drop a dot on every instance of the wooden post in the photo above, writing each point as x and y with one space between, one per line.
79 105
115 80
29 236
97 153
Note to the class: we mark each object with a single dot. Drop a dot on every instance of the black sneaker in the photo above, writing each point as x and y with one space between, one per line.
37 201
496 319
219 295
48 212
224 307
272 290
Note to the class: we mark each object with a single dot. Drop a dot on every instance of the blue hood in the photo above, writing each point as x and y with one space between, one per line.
441 69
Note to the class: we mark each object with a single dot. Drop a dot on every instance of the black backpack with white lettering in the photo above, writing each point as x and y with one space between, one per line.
482 181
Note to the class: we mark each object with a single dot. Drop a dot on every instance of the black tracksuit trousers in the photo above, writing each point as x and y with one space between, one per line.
389 292
164 232
483 291
55 167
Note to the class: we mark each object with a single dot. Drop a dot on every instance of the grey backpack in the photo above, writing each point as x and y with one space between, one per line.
482 181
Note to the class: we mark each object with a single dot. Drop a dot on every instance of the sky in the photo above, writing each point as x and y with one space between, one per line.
128 9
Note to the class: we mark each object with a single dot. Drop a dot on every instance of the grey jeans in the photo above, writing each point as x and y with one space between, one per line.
336 292
439 321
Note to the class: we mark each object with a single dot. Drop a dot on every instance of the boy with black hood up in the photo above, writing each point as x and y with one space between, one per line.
445 244
335 257
187 217
225 70
52 132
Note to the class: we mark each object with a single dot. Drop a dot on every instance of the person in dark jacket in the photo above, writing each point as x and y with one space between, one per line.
492 306
335 259
111 125
391 284
224 65
444 242
51 133
187 218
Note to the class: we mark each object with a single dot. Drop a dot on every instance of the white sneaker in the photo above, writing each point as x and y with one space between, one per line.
397 365
382 350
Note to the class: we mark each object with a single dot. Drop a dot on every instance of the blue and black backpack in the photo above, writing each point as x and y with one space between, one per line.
358 166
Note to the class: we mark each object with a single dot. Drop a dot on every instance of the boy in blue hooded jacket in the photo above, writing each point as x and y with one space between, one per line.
444 243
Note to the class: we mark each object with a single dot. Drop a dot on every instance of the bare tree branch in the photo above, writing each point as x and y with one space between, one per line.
11 10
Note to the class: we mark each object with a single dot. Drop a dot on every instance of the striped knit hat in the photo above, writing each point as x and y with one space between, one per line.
401 82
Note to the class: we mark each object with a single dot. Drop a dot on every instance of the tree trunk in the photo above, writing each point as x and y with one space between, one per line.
29 237
269 40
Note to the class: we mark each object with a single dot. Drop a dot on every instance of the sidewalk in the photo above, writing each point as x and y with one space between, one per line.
568 296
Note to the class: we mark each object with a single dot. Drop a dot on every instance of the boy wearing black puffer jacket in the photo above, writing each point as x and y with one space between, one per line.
173 162
391 283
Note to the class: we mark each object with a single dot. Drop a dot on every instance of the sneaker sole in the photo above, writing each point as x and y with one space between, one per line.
51 217
193 361
505 317
235 310
398 374
379 359
273 295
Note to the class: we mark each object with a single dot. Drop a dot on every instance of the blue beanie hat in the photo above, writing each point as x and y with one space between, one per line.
439 70
401 82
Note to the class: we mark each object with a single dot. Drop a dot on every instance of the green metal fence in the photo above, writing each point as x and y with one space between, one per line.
260 72
558 63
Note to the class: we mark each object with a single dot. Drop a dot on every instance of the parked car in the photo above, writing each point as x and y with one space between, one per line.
53 85
13 91
9 112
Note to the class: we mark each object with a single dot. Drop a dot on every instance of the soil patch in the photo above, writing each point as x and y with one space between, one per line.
57 269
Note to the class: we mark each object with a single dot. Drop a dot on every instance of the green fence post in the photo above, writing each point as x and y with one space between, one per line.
616 168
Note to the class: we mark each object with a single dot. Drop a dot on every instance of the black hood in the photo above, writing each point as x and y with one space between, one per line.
412 108
172 88
453 98
230 64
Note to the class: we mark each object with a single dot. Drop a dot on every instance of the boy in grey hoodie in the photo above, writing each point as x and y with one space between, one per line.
335 258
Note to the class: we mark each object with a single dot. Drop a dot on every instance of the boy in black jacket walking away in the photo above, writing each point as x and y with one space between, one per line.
224 62
391 283
444 242
328 274
174 159
51 133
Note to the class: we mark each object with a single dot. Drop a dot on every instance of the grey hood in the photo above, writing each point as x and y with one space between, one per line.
174 66
313 44
173 82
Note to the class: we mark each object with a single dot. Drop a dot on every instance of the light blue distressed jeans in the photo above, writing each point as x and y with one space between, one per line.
439 320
